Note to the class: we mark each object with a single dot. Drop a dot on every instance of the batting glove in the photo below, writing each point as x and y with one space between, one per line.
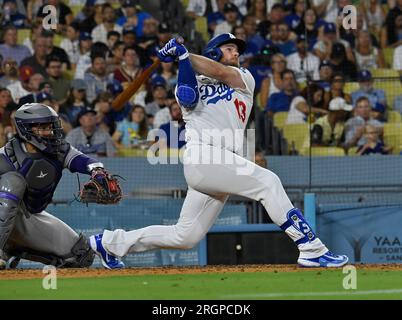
171 51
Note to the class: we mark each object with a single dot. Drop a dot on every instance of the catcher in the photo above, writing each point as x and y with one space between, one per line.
31 167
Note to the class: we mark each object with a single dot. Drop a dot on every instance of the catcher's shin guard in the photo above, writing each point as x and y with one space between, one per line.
12 188
81 255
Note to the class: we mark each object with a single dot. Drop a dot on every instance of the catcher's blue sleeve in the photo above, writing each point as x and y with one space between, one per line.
76 161
187 87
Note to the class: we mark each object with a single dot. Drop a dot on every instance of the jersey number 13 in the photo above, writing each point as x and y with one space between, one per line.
241 109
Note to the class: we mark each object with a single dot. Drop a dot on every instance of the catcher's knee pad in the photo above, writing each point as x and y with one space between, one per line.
12 188
297 227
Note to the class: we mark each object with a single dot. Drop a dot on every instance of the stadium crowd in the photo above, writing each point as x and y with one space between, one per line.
299 52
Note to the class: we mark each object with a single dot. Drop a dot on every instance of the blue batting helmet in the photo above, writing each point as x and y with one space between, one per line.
213 51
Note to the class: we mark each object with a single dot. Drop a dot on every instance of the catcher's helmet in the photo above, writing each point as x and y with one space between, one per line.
213 51
32 114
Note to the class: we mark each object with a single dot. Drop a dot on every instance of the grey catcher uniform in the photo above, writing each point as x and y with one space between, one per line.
27 184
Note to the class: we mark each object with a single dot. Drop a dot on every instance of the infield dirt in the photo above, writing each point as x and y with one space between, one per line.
92 272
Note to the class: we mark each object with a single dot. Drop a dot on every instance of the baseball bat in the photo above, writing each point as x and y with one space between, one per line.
119 102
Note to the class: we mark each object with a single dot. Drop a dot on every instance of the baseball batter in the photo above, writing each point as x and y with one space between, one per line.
216 106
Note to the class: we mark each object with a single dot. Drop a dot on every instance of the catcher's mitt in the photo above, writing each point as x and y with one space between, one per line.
101 188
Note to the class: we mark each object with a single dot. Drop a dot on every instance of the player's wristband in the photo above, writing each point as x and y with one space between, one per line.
184 56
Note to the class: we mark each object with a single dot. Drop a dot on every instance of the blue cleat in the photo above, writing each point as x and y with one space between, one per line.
327 260
108 261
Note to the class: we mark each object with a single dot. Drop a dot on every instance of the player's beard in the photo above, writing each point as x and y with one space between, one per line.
232 62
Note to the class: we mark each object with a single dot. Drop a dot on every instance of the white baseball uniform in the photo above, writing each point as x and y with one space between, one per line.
213 170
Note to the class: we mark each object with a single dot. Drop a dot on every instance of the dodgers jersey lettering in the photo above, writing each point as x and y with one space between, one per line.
221 114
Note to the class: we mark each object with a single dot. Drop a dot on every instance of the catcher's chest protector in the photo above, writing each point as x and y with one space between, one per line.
41 174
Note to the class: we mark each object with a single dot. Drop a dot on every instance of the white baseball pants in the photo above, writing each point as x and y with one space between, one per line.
212 174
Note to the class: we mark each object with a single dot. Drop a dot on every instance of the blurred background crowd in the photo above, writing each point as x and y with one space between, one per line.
320 88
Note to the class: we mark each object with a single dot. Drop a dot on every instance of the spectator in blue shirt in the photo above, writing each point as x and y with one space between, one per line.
11 16
174 130
133 13
281 100
367 90
10 49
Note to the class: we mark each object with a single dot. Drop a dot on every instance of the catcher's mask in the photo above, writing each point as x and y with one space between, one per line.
31 115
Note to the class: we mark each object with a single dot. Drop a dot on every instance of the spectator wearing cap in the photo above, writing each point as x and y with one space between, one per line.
10 72
132 15
273 83
76 101
304 64
336 89
61 86
354 127
322 49
232 19
84 60
367 55
378 112
329 130
38 60
160 102
89 138
64 14
341 63
132 132
96 77
21 88
326 71
280 101
367 90
11 15
99 33
10 48
34 85
71 43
